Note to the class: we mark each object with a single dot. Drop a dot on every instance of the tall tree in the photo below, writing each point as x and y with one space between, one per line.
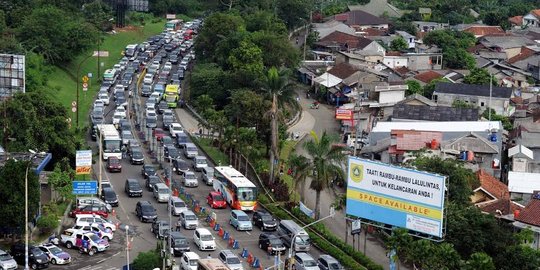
399 44
326 157
480 76
414 87
217 27
277 87
300 167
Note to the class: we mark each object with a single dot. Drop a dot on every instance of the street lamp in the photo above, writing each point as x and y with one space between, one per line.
127 246
26 208
292 249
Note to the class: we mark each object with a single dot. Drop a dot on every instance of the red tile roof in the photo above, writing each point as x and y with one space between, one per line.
370 32
536 13
427 76
484 30
412 140
523 54
343 70
505 206
492 185
402 71
516 20
531 213
340 38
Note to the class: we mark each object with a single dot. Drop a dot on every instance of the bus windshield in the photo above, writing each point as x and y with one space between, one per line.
112 146
170 98
247 194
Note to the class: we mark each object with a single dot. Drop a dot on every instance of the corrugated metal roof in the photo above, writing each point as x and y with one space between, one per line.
442 126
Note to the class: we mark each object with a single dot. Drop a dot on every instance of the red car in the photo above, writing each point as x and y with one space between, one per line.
113 165
90 209
158 133
216 200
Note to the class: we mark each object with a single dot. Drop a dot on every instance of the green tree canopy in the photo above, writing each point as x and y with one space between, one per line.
217 27
414 87
479 76
147 260
399 44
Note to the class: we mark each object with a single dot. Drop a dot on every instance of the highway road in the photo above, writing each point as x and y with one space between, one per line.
140 236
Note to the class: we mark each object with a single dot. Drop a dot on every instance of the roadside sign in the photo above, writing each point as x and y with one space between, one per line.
170 16
84 187
85 79
74 103
356 227
85 89
85 85
101 53
74 109
83 162
90 75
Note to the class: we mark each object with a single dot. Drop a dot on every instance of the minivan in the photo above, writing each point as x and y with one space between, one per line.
287 229
304 261
84 201
181 140
133 188
161 192
208 175
240 221
199 163
189 261
176 206
191 150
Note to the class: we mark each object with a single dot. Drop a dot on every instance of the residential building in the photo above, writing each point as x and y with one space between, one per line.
404 112
423 26
528 218
511 45
378 8
326 28
413 61
516 21
521 158
532 19
410 39
426 77
493 197
483 152
360 59
359 20
522 185
476 95
484 30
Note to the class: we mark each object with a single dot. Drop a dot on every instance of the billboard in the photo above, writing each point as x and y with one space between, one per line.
396 196
12 75
83 162
344 114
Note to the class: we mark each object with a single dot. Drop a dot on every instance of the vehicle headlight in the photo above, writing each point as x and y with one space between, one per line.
39 261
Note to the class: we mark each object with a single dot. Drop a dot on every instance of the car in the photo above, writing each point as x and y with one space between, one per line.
148 170
162 106
119 88
73 238
133 188
176 206
36 257
166 140
179 243
207 175
145 211
98 103
150 181
114 165
264 221
170 152
151 113
148 78
6 261
105 98
116 119
216 200
167 121
167 66
125 125
173 59
97 229
158 133
126 136
161 192
175 128
304 261
327 262
84 201
182 139
189 179
190 150
160 228
180 73
109 196
90 209
271 243
189 261
121 101
91 219
151 122
180 166
55 254
188 220
156 95
121 111
230 259
136 156
162 80
199 162
146 90
240 220
203 239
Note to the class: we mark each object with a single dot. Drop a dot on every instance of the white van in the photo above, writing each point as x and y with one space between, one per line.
208 175
199 163
189 261
161 192
204 239
287 229
190 150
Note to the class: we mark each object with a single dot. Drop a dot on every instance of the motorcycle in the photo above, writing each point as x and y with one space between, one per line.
314 105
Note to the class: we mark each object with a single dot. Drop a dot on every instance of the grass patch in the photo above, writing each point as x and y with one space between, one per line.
219 157
63 79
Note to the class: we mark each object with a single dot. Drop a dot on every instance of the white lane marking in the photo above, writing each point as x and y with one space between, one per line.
248 233
100 261
117 253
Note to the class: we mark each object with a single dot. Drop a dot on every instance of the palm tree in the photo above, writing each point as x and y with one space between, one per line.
278 88
300 166
326 160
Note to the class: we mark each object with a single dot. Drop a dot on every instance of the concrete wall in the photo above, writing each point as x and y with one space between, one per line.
519 164
391 96
396 61
425 61
498 104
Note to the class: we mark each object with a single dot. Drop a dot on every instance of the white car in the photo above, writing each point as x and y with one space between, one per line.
119 88
167 66
87 219
105 98
99 103
151 112
204 240
148 78
55 254
189 261
175 128
121 111
116 118
176 206
98 229
156 95
6 261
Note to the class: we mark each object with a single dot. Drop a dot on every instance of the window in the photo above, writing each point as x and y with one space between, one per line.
482 104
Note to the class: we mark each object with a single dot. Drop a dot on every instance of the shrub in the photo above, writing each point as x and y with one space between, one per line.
147 260
48 223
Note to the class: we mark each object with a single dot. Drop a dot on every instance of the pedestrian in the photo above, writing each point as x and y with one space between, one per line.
297 98
209 256
124 154
296 40
178 226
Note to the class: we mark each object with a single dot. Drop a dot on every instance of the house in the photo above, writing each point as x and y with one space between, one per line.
492 196
390 95
521 158
413 61
510 75
454 76
476 95
511 45
417 100
410 39
528 218
484 30
483 151
404 112
425 27
326 28
378 8
523 184
402 141
359 20
339 41
516 21
360 59
532 19
426 77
